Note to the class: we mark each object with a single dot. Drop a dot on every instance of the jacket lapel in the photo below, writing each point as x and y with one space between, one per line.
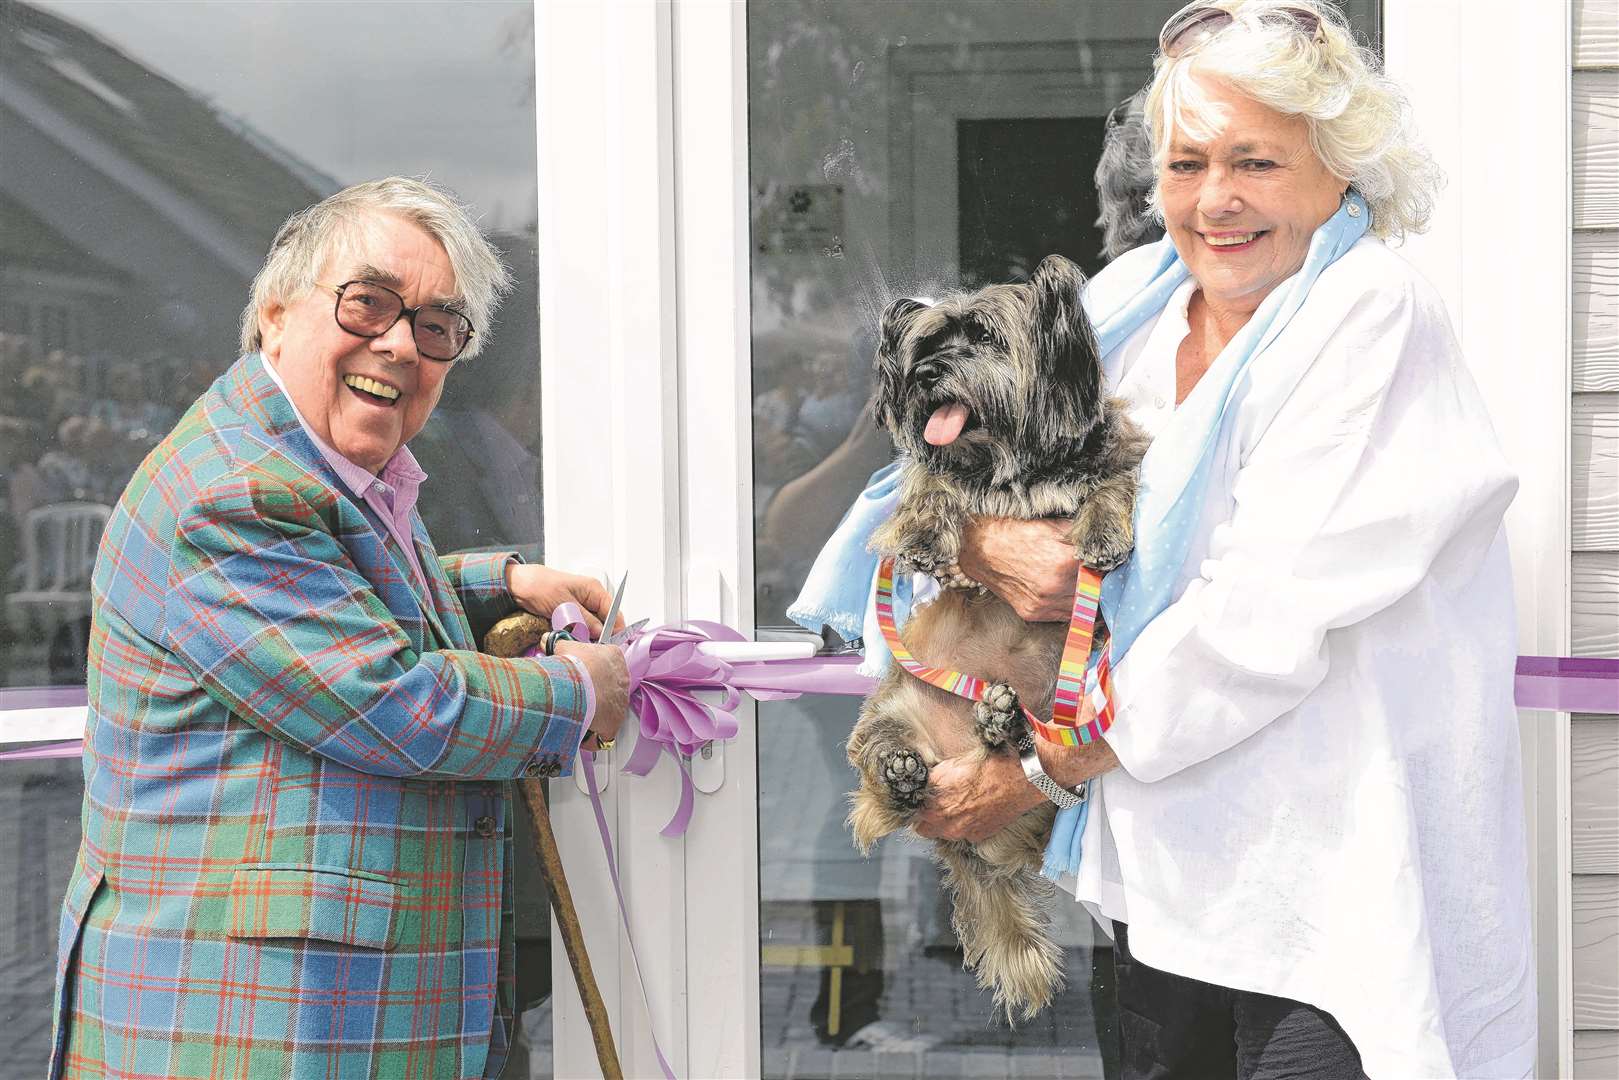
444 607
251 392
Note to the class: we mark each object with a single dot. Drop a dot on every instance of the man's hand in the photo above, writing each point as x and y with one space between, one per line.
610 679
1029 564
539 589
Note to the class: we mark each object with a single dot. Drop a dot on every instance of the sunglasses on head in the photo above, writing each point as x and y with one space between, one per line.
1197 22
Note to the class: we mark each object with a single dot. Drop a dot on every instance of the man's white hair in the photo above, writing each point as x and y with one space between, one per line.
320 234
1359 120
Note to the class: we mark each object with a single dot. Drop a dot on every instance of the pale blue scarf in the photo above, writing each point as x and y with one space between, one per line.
1174 475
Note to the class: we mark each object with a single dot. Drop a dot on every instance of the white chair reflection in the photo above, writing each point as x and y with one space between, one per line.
59 551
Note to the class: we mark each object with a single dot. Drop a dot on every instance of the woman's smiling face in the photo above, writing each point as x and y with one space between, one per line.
1241 207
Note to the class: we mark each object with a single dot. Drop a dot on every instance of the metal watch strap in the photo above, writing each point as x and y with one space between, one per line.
1030 758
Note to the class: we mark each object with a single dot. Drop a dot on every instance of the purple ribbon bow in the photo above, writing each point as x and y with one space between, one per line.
683 699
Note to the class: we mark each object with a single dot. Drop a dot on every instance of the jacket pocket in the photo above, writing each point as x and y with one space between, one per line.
350 907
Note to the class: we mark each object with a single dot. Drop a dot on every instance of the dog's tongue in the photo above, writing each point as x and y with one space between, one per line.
945 424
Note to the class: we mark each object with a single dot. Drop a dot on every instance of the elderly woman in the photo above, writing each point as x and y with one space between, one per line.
1308 834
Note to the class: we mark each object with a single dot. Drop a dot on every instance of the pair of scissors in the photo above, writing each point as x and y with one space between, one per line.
608 635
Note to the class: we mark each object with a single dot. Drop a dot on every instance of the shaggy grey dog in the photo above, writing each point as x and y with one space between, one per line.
995 402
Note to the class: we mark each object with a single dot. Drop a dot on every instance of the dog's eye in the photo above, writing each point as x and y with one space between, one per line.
977 332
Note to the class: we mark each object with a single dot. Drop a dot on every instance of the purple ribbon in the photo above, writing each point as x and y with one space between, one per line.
670 677
72 748
666 671
43 697
1588 684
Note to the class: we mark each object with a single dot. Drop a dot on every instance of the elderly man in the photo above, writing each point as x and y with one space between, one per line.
296 831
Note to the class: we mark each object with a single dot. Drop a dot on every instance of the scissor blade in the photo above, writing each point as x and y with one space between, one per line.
623 635
612 611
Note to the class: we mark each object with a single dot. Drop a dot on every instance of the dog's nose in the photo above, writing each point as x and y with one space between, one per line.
926 374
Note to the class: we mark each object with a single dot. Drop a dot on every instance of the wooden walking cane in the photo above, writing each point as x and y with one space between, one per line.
513 636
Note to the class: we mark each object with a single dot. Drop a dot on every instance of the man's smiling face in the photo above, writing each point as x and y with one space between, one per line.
365 397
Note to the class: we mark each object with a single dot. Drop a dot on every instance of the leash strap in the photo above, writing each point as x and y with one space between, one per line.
1064 726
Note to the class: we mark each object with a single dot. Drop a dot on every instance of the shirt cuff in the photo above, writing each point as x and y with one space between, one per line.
560 746
589 691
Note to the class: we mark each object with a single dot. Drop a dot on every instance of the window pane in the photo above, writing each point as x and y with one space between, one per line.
900 149
150 153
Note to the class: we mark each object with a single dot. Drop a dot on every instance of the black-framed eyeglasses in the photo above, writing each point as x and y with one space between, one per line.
1198 21
369 310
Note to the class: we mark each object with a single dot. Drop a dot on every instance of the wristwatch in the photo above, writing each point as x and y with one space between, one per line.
1063 797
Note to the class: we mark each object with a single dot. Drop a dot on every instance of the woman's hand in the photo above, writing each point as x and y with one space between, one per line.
1029 564
539 589
974 800
610 681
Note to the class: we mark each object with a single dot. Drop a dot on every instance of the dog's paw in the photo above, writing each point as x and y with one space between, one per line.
906 775
998 717
1102 546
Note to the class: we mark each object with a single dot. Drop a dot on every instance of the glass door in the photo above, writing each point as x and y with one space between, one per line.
900 149
151 152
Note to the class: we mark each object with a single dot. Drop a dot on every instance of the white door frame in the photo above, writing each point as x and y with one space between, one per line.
644 285
611 459
1490 83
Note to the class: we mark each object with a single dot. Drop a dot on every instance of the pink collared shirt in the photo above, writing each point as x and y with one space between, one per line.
391 493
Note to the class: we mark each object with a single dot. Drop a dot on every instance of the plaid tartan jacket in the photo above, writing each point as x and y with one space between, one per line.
295 821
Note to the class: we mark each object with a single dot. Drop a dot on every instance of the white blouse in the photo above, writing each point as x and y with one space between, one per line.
1321 796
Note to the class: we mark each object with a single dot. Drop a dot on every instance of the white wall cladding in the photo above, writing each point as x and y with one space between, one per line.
1594 472
1594 800
1594 530
1596 951
1595 274
1596 34
1595 104
1596 1053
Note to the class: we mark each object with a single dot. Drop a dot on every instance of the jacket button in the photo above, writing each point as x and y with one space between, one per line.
485 826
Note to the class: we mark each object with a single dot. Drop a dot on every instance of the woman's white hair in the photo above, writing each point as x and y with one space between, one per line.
1359 120
314 237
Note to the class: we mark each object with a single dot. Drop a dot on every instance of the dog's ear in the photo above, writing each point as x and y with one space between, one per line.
1063 335
896 320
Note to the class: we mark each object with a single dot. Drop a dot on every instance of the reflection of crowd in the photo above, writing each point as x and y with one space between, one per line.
808 390
73 430
64 444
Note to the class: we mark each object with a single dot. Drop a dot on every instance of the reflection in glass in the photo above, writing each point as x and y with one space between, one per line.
899 149
39 836
150 153
135 207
